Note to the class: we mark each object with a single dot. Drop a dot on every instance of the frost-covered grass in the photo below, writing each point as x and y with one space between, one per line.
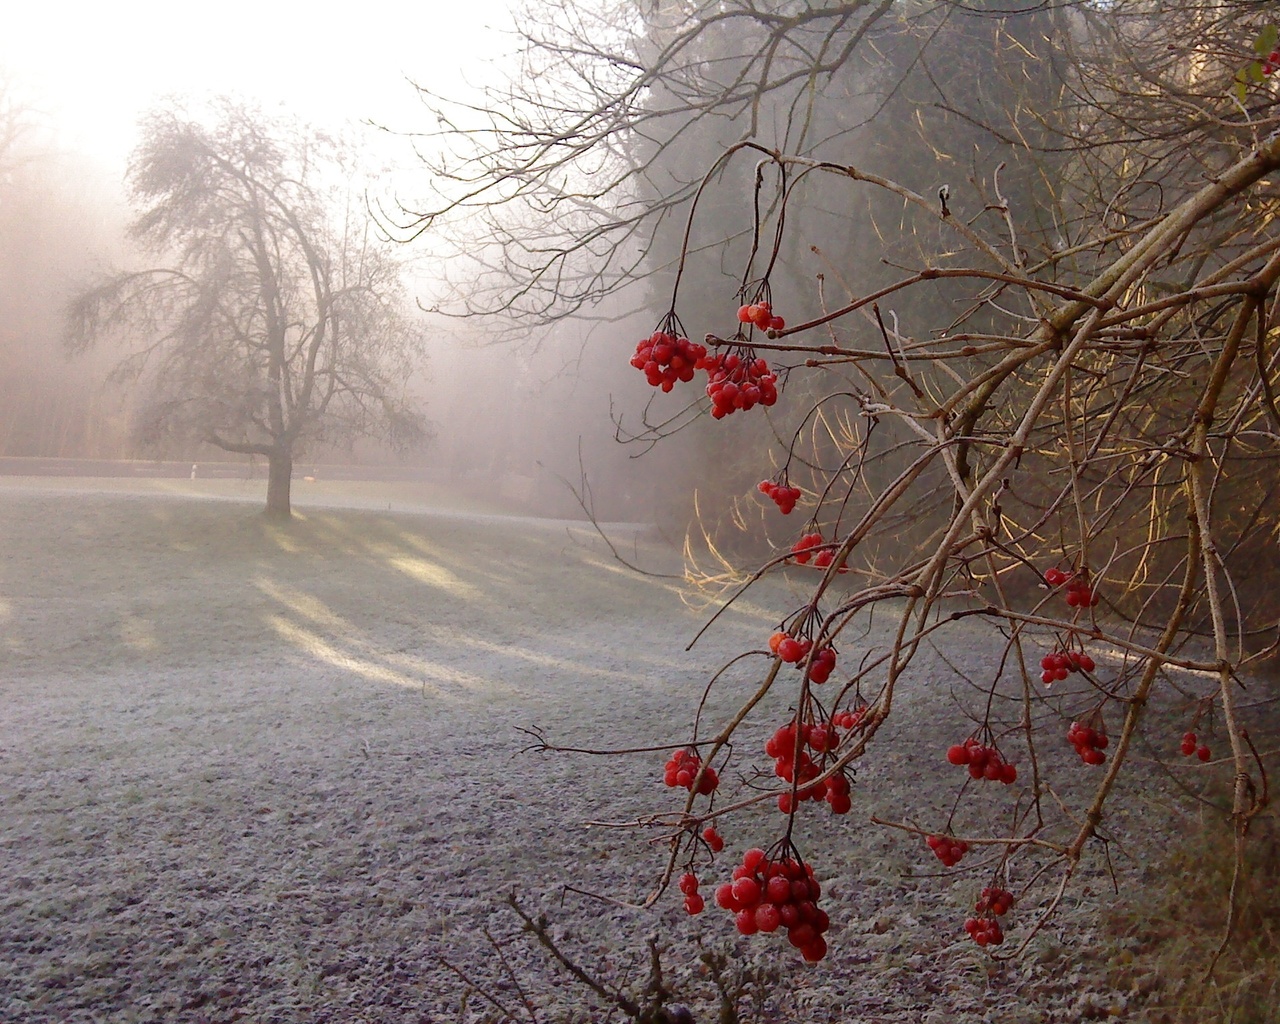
274 773
273 770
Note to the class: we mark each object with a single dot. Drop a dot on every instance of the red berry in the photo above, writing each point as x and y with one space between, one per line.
815 950
694 904
778 889
1203 753
747 892
790 650
802 935
767 917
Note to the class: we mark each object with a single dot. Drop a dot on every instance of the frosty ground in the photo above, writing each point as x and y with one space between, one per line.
275 773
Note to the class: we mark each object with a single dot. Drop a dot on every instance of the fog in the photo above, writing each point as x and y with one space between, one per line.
526 419
61 216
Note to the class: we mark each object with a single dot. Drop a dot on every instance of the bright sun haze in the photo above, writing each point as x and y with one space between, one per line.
96 68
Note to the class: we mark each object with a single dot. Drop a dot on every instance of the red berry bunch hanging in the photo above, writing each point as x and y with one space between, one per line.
1089 742
984 762
948 849
821 739
1060 664
713 838
838 794
789 767
738 379
789 648
985 931
985 928
766 895
693 903
794 651
824 558
666 358
682 770
822 665
994 900
784 497
850 718
1191 749
1080 594
801 550
761 315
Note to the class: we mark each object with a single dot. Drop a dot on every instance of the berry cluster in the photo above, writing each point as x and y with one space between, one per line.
682 770
850 718
789 648
760 314
948 849
985 929
1190 749
1089 742
985 762
801 771
665 359
824 558
783 496
767 895
738 381
994 900
794 650
713 838
693 902
801 550
822 665
1060 664
1079 593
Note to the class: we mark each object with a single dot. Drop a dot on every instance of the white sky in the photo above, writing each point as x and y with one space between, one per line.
98 66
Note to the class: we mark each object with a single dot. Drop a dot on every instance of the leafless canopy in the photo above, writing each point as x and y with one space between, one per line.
272 319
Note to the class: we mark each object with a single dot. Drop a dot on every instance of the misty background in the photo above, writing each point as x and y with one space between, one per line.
517 415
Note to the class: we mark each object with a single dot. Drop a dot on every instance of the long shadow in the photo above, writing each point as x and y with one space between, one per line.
102 582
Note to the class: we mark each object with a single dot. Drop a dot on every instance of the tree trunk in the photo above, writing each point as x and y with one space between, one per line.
279 478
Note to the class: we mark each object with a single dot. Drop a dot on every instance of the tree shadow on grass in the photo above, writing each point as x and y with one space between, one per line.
441 603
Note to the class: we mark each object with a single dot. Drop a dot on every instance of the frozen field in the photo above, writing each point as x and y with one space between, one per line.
266 773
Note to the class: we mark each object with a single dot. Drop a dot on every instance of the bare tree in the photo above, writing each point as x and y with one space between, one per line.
564 173
1040 391
273 318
